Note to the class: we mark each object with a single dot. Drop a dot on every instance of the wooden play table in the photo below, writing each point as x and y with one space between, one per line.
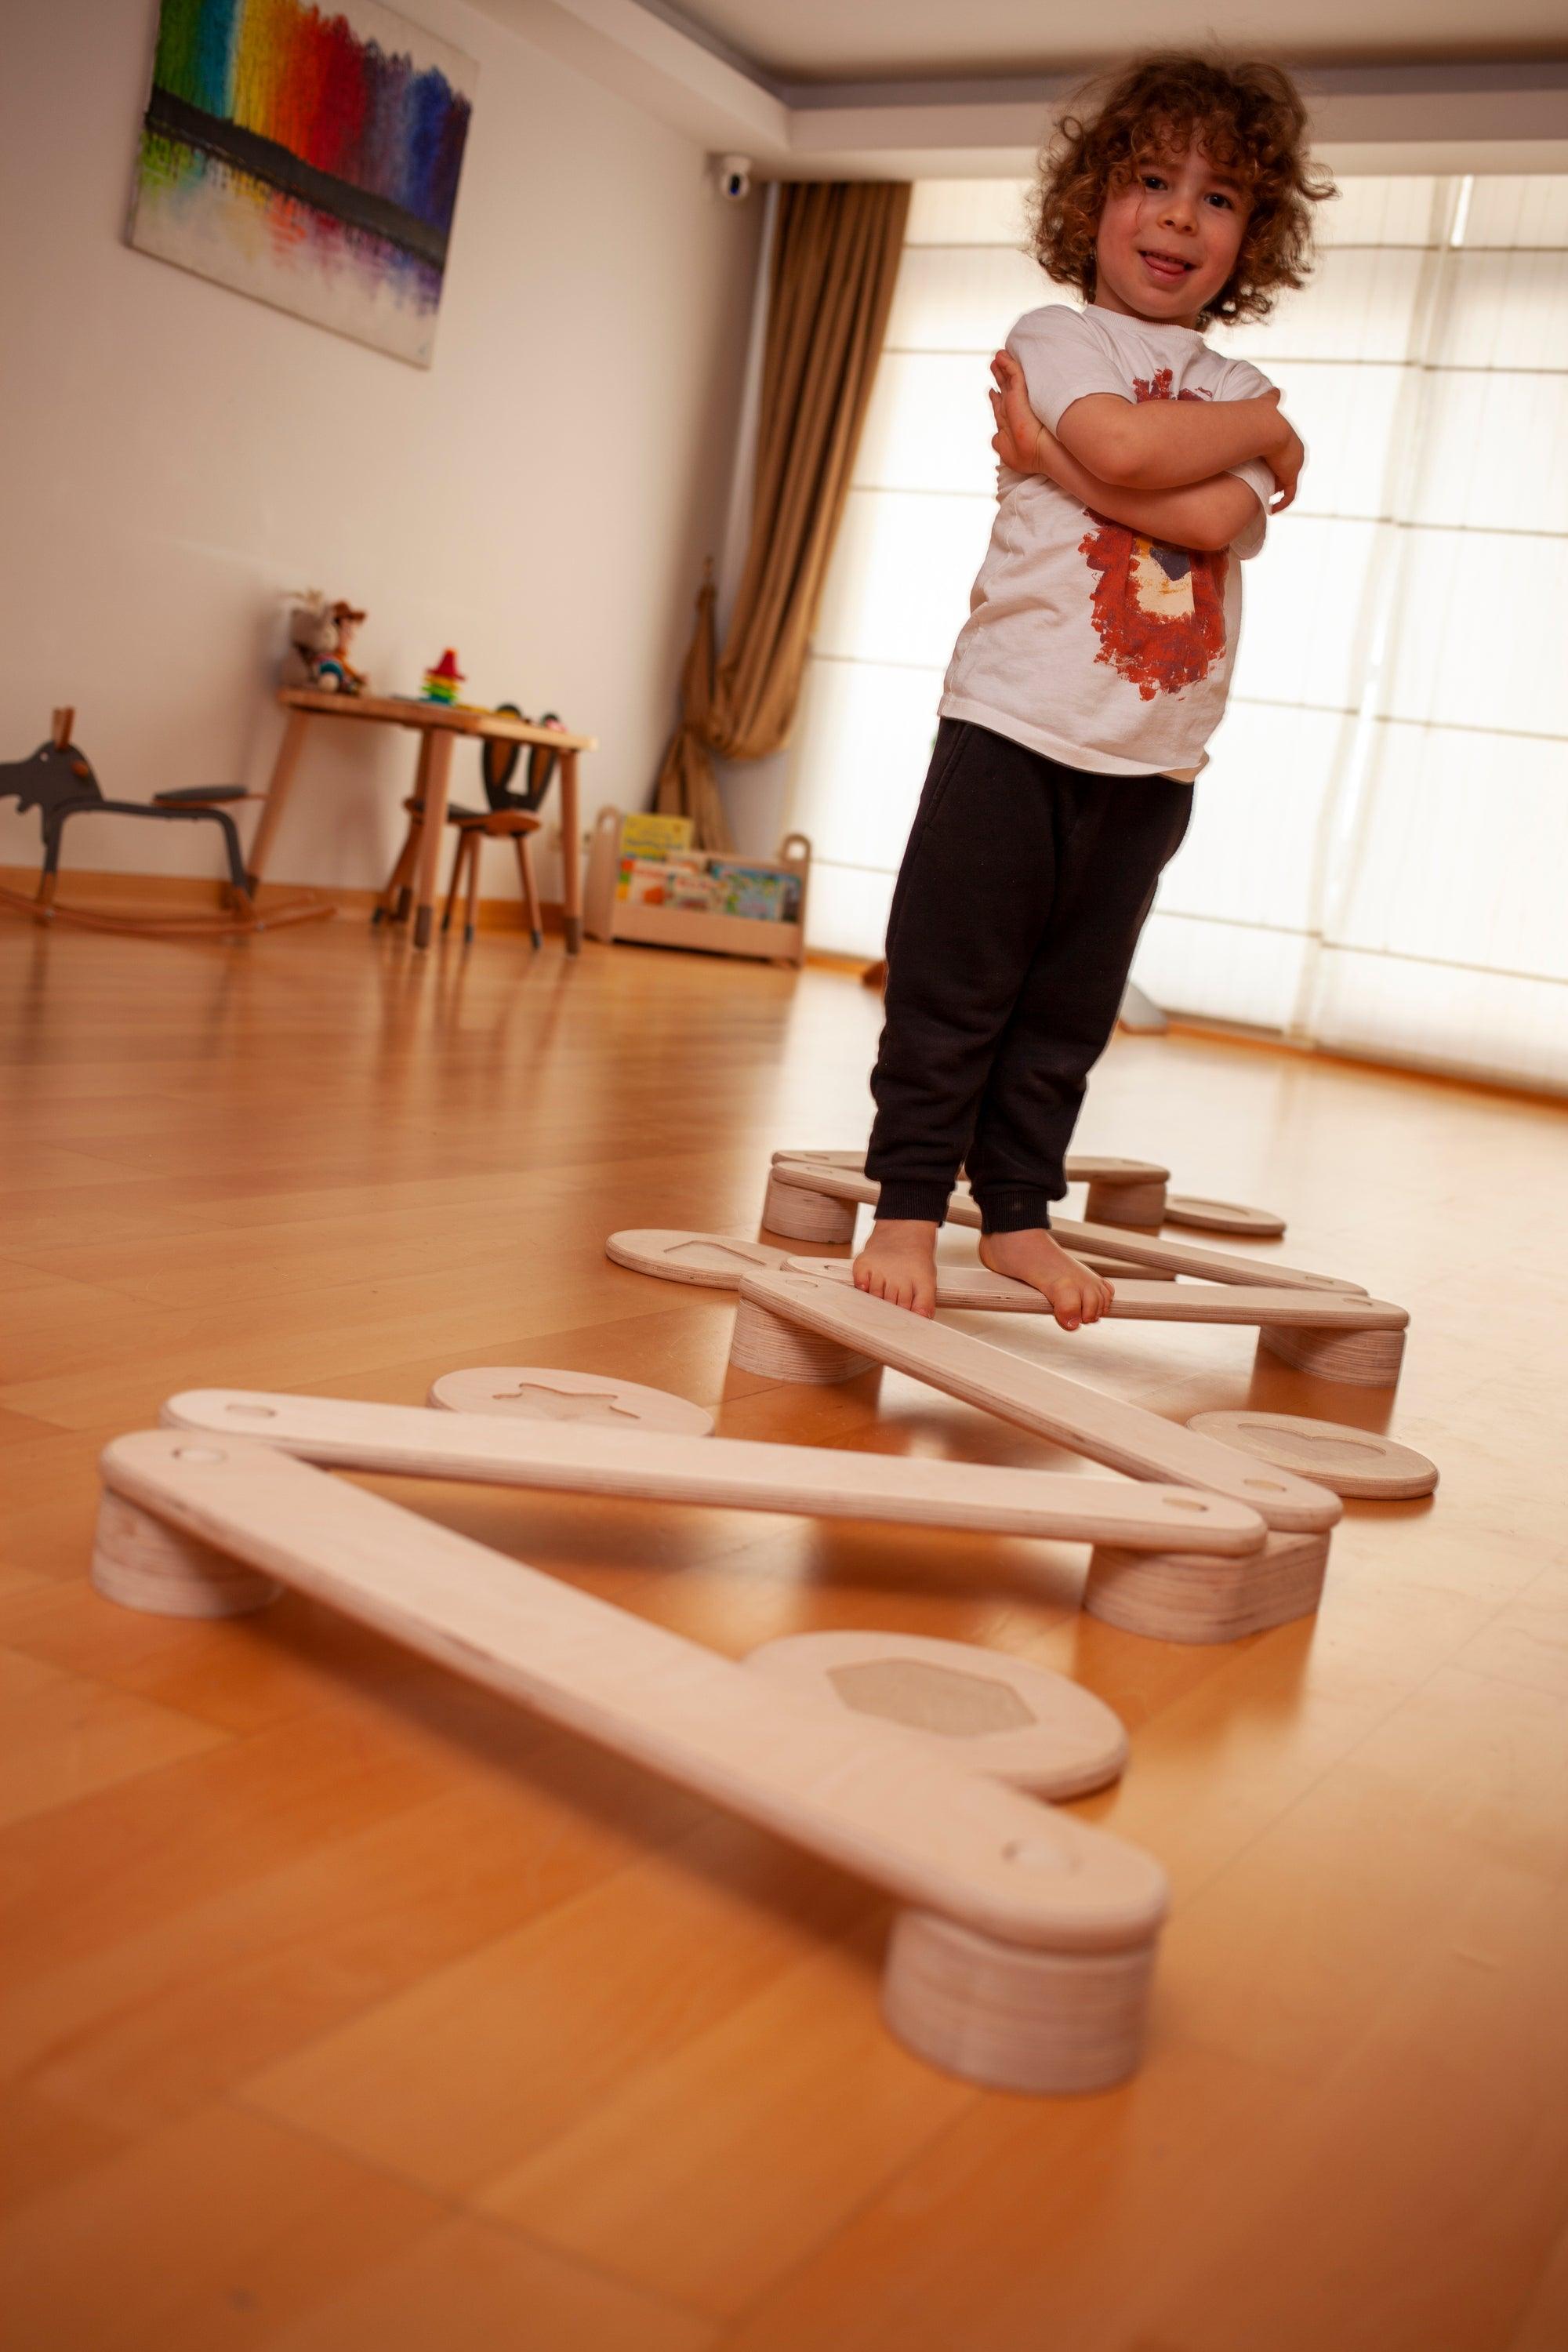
436 724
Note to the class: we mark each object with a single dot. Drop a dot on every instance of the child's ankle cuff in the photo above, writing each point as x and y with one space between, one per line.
926 1201
1014 1209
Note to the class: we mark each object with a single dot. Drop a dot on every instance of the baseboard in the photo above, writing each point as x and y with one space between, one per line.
185 892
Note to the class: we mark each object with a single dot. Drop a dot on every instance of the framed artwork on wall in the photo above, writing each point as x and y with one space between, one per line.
307 156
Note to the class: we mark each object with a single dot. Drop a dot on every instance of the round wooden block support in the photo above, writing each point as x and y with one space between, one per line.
766 1344
1140 1205
1363 1359
142 1563
805 1216
1014 2019
1201 1597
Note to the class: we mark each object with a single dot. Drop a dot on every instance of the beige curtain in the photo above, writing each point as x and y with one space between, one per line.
836 257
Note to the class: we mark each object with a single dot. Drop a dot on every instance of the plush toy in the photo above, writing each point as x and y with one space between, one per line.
334 671
319 635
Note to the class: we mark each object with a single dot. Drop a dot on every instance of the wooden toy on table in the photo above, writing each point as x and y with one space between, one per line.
441 681
1023 1952
734 1474
540 1393
1357 1463
58 782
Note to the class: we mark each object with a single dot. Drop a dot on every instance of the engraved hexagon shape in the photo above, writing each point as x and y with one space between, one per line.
927 1697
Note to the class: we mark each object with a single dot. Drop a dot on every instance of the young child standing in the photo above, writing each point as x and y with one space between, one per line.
1137 466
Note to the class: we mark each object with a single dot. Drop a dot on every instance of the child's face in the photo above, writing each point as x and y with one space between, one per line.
1168 242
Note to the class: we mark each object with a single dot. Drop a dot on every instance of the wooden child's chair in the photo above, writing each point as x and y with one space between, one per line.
509 816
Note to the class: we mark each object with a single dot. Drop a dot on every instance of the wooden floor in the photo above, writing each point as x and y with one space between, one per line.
348 2009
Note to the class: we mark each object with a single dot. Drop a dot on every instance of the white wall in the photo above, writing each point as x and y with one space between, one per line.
173 456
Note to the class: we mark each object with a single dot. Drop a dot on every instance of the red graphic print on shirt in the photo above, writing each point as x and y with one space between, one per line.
1159 609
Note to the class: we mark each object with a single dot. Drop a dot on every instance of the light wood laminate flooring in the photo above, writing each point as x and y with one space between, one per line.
347 2008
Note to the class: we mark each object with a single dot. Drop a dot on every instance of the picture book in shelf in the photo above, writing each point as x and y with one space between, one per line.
647 884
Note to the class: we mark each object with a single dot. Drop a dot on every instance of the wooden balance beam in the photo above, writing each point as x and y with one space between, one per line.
717 1261
794 1325
843 1188
1289 1321
1121 1192
797 1327
1025 1952
734 1474
1345 1329
976 1290
817 1200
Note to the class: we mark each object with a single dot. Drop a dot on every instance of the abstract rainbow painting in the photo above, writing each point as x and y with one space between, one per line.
307 156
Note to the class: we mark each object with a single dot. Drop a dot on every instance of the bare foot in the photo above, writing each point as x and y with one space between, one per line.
899 1264
1075 1295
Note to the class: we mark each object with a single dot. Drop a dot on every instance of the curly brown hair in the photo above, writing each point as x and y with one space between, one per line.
1250 118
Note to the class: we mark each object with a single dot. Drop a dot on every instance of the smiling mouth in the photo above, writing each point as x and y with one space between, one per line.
1168 266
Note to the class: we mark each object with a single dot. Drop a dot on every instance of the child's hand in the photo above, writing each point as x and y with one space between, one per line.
1020 440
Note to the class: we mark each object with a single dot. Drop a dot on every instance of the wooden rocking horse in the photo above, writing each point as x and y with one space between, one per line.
58 782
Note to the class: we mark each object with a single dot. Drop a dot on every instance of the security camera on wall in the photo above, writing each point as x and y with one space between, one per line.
732 177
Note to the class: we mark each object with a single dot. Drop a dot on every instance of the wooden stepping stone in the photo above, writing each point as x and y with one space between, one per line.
1354 1462
1121 1192
837 1326
1362 1359
1141 1592
1025 1951
734 1474
1107 1241
710 1261
539 1392
1017 1722
977 1290
1222 1217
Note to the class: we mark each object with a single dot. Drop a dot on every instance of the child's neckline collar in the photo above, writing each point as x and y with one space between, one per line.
1146 326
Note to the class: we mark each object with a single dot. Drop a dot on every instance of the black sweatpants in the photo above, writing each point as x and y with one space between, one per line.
1018 906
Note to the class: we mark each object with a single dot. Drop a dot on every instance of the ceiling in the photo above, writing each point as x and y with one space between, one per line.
913 89
808 42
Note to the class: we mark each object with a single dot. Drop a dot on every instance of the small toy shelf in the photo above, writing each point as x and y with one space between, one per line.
609 916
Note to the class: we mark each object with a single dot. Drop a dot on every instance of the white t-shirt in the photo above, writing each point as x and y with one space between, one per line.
1085 640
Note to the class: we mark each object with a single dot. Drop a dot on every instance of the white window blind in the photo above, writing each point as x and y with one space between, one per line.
1379 851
